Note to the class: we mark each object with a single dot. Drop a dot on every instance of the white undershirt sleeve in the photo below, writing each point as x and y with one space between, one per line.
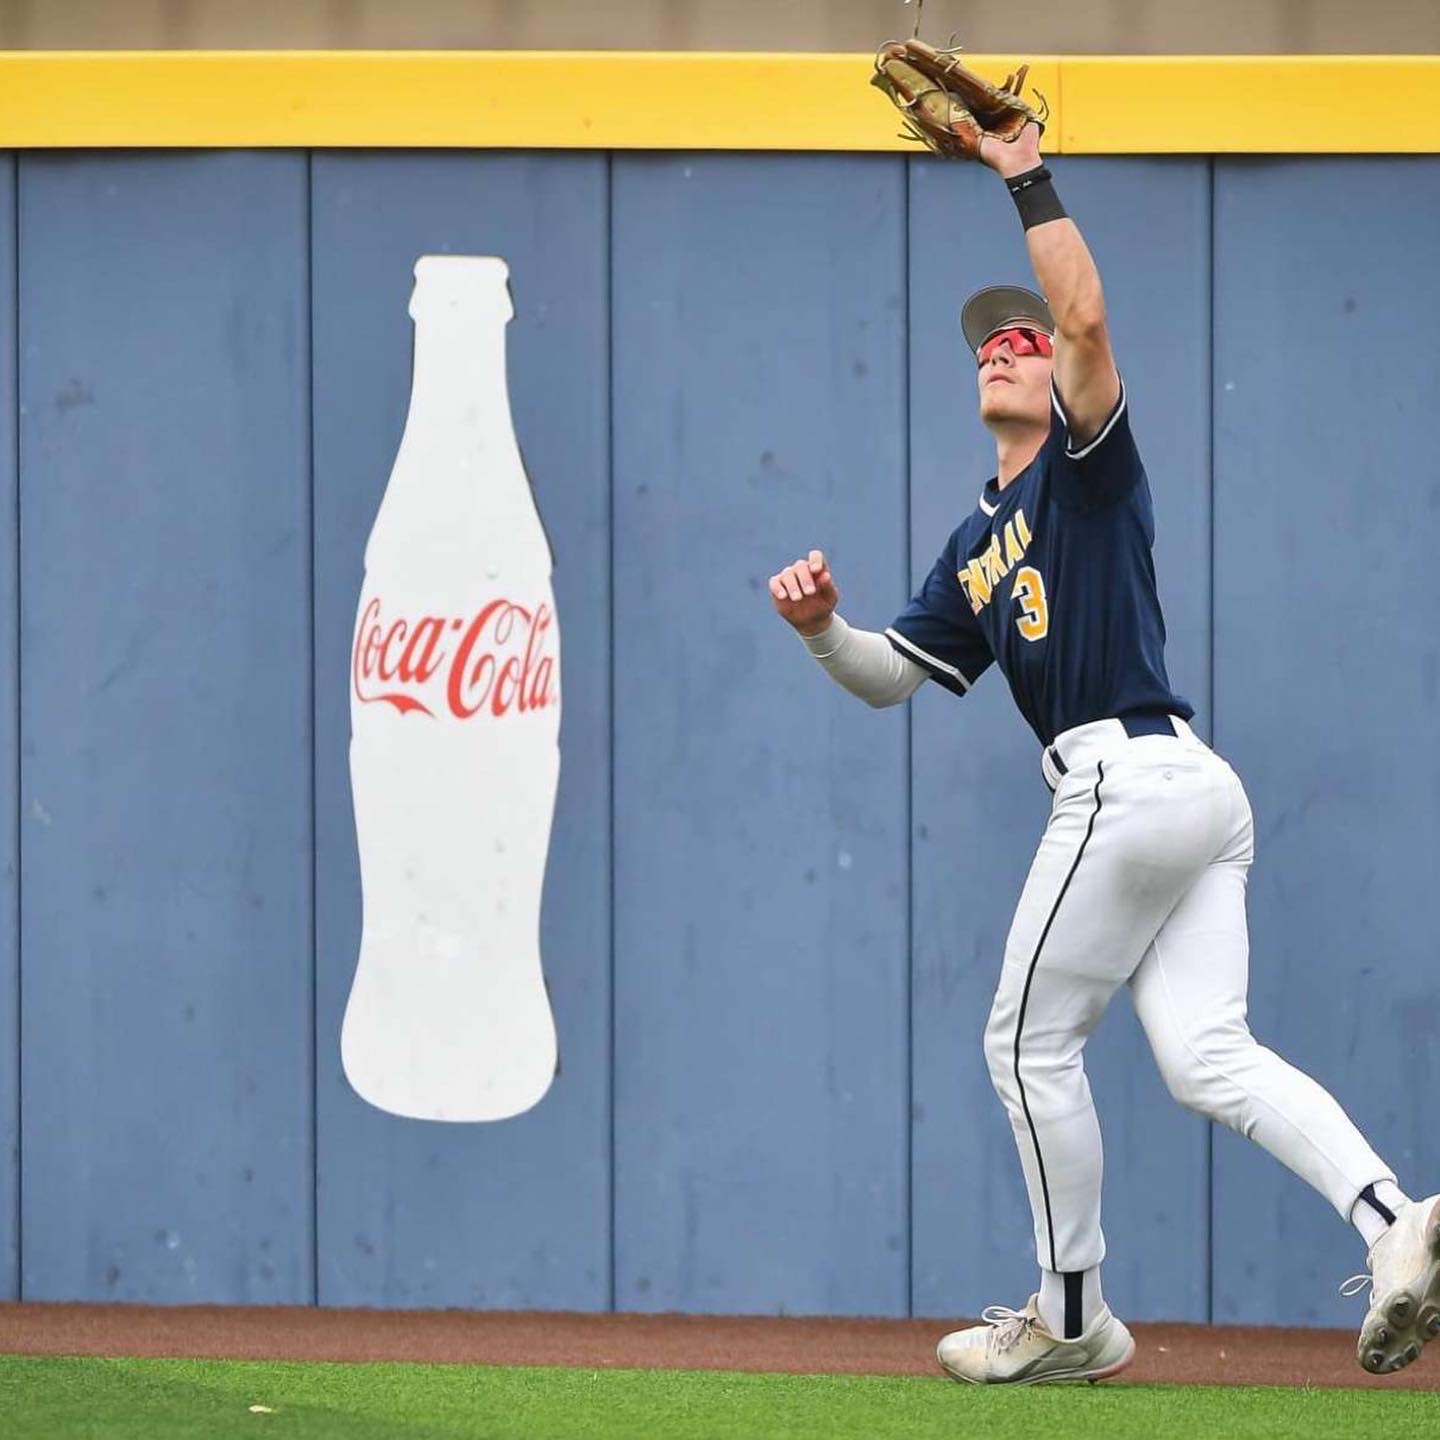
866 664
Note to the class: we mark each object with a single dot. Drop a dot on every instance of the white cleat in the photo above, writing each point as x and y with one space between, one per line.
1404 1290
1013 1347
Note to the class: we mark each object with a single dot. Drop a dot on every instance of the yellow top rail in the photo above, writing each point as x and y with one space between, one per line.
693 101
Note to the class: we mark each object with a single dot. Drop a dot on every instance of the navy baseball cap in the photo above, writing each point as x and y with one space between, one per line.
998 306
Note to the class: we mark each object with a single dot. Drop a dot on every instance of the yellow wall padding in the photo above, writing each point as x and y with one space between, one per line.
691 100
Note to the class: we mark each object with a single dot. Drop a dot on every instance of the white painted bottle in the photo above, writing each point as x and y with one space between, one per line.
454 735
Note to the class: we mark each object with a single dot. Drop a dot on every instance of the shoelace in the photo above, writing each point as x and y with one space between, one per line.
1356 1283
1011 1326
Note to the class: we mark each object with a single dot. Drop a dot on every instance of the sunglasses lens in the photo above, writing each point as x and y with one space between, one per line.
1021 342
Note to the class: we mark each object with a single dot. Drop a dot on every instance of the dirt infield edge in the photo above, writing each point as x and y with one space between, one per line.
1167 1353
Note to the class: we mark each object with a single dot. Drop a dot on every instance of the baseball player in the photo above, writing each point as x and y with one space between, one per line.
1140 875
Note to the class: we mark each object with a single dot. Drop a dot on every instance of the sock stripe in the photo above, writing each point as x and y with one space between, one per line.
1369 1196
1074 1304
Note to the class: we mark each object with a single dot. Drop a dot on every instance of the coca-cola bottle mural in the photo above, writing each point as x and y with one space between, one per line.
454 735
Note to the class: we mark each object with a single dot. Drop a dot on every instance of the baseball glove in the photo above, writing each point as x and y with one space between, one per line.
947 107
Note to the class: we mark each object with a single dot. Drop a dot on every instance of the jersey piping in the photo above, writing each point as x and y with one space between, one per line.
1105 429
908 647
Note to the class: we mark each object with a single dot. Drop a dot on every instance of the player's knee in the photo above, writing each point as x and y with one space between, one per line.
1043 1065
1000 1051
1184 1080
1199 1070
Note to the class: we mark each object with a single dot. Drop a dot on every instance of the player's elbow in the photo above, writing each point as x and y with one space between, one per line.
1083 324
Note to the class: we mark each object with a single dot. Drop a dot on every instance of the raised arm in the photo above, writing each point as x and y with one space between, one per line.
1085 373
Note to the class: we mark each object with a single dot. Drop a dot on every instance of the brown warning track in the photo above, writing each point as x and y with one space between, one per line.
1175 1354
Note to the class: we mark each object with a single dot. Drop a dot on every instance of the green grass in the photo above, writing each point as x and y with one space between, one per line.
87 1399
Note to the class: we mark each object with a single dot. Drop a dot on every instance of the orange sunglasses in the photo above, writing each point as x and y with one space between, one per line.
1022 340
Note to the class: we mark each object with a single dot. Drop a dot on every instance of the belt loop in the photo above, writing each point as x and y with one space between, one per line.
1052 767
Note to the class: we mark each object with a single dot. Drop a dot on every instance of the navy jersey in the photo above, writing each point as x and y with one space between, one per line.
1052 579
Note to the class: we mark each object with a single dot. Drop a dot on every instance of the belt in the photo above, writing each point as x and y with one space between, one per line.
1136 724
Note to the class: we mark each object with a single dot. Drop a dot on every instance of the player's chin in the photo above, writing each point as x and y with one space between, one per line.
998 402
1001 402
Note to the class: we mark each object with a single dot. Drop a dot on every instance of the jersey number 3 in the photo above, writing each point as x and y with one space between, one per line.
1029 592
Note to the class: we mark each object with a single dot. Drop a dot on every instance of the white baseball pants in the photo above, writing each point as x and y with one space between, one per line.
1140 880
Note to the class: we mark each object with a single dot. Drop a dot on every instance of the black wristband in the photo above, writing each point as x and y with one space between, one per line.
1035 198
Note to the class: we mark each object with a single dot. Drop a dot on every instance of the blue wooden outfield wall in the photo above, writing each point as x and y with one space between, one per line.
773 917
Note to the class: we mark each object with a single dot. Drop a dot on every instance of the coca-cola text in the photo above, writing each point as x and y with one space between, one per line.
493 663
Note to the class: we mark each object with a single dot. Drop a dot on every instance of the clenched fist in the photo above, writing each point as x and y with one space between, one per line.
805 594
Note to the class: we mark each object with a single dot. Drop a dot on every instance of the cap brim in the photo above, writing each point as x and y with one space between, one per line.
997 306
